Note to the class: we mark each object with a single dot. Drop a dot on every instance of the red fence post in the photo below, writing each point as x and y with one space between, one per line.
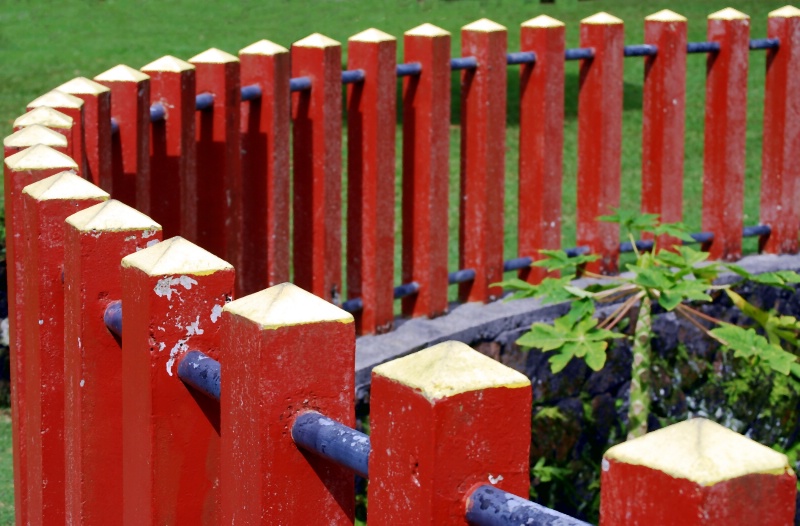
219 167
726 119
47 117
46 204
427 456
96 126
663 116
371 123
780 173
426 150
72 106
95 241
173 200
301 350
696 473
172 297
541 141
317 140
483 152
266 125
130 146
21 169
31 136
600 138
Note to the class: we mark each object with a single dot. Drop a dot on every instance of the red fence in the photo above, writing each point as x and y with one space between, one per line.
104 429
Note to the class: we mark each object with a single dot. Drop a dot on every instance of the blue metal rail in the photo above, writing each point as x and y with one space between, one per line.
201 372
333 440
490 506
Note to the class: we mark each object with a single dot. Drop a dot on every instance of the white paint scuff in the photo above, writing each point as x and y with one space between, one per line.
164 285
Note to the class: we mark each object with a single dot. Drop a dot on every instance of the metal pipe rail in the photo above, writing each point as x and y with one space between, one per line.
490 506
201 372
333 440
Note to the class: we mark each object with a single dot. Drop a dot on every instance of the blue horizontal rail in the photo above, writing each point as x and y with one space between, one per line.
578 53
412 68
353 305
640 50
353 76
400 291
458 63
299 84
112 317
521 57
157 112
490 506
251 92
201 372
702 47
204 101
765 43
461 276
333 440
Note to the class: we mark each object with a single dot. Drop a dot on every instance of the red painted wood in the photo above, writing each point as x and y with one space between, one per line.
173 201
130 146
426 150
48 117
219 172
266 126
724 148
541 139
600 139
96 126
317 156
95 241
663 116
483 168
634 495
780 173
302 362
172 294
371 123
21 169
72 106
46 204
31 136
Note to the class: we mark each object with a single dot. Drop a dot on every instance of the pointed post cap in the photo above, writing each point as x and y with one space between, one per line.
175 256
484 25
263 47
286 305
448 369
82 86
372 35
427 30
601 19
169 64
122 73
316 40
701 451
543 21
665 15
787 11
56 99
728 13
33 135
45 116
213 56
39 157
63 186
113 216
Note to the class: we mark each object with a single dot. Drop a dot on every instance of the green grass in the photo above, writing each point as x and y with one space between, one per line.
6 471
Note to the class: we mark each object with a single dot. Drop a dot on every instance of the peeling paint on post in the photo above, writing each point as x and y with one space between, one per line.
129 179
21 169
444 421
31 136
371 124
302 351
725 128
72 106
266 125
47 117
46 205
695 473
173 163
170 294
600 138
96 239
541 139
426 150
317 149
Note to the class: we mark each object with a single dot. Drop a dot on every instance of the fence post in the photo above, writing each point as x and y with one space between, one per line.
371 123
663 116
291 352
696 473
600 138
31 136
72 106
219 167
47 117
96 125
426 150
173 163
129 179
95 241
266 125
317 141
780 174
726 119
172 297
21 169
541 141
444 421
45 206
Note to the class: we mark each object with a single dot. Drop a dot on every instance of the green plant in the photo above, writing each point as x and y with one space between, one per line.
673 279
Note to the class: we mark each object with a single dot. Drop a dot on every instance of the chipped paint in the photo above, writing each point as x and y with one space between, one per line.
216 312
164 285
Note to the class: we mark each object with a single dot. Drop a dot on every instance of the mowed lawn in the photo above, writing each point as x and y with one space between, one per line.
43 44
